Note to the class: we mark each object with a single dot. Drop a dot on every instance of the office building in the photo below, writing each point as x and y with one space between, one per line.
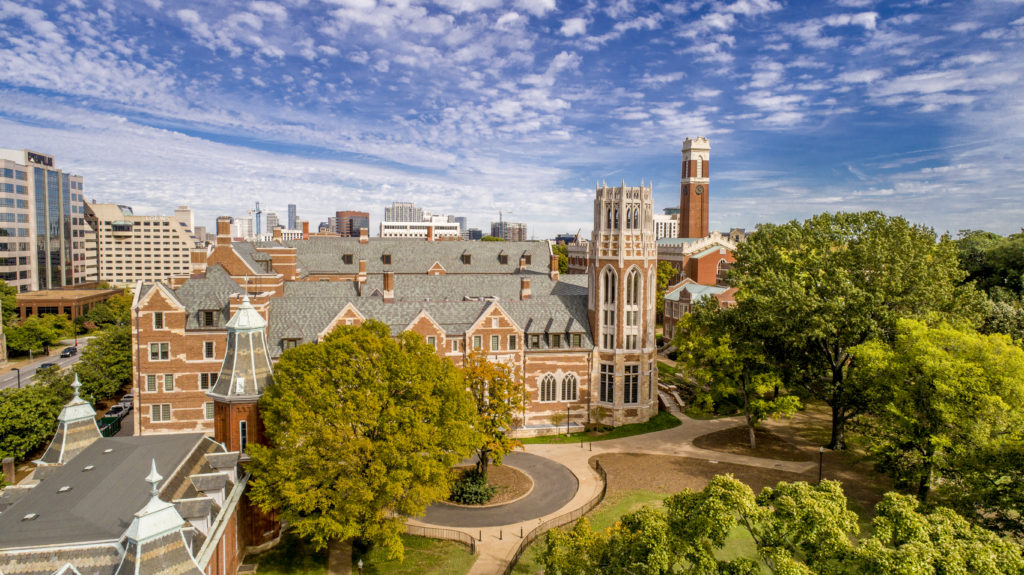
436 228
348 223
130 248
403 212
666 226
272 222
46 243
242 228
199 233
293 218
185 214
509 231
474 234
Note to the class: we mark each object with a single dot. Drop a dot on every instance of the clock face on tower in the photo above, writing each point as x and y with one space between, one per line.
700 189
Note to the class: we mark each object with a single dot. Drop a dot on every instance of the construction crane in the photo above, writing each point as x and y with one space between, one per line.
259 216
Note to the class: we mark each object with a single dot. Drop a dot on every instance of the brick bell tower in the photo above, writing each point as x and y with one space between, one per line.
622 281
244 376
695 189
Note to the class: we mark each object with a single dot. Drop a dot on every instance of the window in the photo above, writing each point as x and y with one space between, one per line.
528 258
547 388
495 343
432 341
502 259
650 382
150 383
289 343
467 259
636 219
168 382
208 349
347 258
631 384
160 412
478 341
577 340
207 380
607 390
206 318
633 288
513 342
556 340
385 259
158 320
629 218
535 341
455 345
569 387
208 410
159 351
243 434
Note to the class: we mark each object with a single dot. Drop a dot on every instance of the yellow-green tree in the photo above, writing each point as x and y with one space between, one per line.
500 398
363 429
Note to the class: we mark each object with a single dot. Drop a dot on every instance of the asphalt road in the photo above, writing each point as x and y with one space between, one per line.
553 486
10 379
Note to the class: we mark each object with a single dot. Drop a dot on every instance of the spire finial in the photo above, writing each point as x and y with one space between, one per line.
75 385
153 479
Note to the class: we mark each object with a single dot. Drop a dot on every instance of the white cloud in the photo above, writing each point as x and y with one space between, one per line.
659 80
860 76
270 9
536 7
574 27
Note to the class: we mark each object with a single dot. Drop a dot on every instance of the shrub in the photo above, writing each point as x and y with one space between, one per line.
471 489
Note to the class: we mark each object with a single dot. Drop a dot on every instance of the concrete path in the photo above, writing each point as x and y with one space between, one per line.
554 485
499 541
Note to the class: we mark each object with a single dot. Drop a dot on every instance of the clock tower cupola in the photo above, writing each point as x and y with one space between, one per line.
695 188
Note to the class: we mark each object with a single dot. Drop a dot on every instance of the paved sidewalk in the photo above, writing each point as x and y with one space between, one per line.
498 542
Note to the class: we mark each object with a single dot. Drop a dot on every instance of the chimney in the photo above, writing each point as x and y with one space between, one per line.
389 287
524 288
364 235
361 278
554 267
197 257
305 230
522 263
224 231
430 233
278 236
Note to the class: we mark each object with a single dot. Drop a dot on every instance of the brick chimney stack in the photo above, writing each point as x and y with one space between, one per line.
524 288
522 263
364 236
389 287
430 233
554 267
278 236
224 231
305 230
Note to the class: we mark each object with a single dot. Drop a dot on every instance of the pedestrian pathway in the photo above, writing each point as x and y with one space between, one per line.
497 542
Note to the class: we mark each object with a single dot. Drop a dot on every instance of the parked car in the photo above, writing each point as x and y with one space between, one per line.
117 411
69 351
127 401
46 365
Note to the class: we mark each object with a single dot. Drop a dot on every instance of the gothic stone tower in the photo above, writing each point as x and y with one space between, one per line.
244 376
695 189
622 282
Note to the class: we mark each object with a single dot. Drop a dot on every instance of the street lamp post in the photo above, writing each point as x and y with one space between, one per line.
19 375
821 458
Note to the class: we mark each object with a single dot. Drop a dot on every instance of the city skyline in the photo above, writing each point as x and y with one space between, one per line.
476 106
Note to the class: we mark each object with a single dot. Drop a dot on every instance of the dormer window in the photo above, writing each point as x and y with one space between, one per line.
347 259
556 340
467 259
503 259
207 318
289 343
386 259
528 259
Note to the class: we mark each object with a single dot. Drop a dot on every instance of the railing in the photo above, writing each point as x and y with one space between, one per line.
445 534
559 521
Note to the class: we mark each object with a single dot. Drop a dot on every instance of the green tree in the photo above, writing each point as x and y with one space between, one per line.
1005 317
818 288
28 416
38 332
665 274
727 360
115 311
985 486
562 251
500 398
106 364
939 394
638 544
994 262
9 303
363 429
491 239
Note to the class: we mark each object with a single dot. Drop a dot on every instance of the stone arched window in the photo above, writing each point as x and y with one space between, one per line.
629 218
636 219
633 287
609 215
548 387
570 387
610 285
616 226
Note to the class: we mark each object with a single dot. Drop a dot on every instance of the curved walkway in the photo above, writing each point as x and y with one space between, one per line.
554 485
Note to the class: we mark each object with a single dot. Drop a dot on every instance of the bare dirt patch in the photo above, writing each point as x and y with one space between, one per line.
737 440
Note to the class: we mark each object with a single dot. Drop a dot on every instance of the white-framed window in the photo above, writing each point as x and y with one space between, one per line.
455 345
631 384
570 387
160 412
150 383
478 342
513 342
548 388
208 410
495 342
158 320
208 350
159 351
168 382
607 387
432 341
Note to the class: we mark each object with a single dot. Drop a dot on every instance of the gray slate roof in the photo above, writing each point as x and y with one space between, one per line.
208 293
102 501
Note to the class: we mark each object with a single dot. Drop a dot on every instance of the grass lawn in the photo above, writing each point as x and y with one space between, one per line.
293 556
663 420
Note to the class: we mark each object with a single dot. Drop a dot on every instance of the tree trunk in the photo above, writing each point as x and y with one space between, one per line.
924 485
838 441
482 460
753 436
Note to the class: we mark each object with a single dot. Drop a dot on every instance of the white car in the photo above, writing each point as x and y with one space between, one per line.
127 401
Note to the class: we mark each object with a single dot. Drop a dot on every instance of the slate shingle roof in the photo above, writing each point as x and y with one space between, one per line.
208 293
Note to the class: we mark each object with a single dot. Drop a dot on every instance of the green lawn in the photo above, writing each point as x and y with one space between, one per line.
663 420
293 556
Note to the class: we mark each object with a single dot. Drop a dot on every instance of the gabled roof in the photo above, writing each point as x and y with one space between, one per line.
210 292
695 290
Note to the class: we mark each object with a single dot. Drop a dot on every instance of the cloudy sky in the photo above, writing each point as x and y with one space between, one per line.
474 106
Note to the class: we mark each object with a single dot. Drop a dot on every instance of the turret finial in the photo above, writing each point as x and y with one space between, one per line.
153 479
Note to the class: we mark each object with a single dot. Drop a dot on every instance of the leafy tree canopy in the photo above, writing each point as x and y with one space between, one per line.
38 332
491 239
28 416
106 364
562 251
9 303
363 429
500 397
665 274
994 262
818 288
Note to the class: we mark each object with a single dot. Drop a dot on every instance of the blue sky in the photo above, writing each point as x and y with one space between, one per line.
471 106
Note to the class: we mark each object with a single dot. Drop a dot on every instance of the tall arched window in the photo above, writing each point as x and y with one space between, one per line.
616 226
548 387
610 286
569 387
609 215
633 288
700 167
636 219
629 218
631 309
